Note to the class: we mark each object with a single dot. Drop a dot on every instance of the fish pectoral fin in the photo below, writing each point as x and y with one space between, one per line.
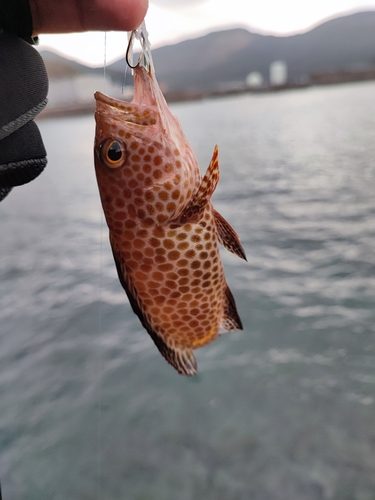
182 359
209 181
227 236
194 210
231 319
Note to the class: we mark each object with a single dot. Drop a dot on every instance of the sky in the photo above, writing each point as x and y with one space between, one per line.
171 21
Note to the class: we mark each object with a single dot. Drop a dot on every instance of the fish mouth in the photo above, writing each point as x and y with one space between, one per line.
141 111
126 112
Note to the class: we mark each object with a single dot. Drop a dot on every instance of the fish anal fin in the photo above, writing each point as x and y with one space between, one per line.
182 359
227 236
231 319
195 208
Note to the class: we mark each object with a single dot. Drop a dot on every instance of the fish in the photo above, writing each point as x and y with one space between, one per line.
163 228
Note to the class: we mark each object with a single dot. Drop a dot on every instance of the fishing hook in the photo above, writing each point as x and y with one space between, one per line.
144 57
129 49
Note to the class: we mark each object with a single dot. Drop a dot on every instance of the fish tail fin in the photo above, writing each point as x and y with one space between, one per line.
231 318
181 358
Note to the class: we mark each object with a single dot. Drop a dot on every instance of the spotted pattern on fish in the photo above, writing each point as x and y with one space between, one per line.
164 231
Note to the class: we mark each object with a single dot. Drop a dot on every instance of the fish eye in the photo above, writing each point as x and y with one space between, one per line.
113 153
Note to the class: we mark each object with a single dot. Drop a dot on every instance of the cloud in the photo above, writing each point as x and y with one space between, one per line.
173 4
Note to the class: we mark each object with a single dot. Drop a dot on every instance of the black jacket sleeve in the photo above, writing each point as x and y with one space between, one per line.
15 17
23 94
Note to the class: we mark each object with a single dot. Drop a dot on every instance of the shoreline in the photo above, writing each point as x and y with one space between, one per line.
185 96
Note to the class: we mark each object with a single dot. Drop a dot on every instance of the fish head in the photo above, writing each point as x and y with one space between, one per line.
141 142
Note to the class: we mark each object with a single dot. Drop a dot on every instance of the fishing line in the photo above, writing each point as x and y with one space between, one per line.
125 72
124 78
99 362
105 60
128 53
99 365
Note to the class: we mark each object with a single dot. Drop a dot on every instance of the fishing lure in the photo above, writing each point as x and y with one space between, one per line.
163 228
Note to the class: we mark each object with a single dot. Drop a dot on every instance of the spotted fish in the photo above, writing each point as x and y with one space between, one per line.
163 229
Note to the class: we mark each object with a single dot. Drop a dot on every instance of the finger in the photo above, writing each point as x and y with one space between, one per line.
56 16
117 15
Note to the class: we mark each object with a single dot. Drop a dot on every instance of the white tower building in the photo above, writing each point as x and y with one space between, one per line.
278 73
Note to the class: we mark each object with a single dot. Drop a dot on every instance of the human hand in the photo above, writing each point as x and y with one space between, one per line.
67 16
23 69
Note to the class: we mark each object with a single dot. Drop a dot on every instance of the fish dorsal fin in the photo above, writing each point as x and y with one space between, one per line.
227 236
194 210
231 319
182 359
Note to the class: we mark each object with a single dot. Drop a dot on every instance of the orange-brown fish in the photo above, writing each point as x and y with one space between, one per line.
163 229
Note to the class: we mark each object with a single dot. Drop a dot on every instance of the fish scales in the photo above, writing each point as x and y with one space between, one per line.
163 229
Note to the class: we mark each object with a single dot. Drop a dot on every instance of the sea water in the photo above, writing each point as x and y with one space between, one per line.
283 410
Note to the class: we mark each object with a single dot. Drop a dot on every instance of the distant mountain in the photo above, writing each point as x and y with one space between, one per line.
61 67
344 43
216 60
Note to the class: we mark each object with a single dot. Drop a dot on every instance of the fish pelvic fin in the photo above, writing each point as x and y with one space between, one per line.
231 319
227 236
194 210
182 359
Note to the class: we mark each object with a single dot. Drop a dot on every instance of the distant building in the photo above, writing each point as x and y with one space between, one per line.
254 80
278 73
